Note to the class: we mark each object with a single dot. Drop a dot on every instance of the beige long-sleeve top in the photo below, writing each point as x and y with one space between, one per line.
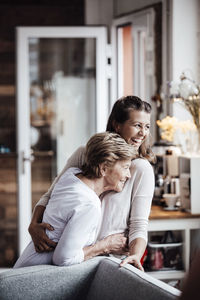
128 209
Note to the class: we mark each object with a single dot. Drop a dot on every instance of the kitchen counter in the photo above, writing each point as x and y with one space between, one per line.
157 212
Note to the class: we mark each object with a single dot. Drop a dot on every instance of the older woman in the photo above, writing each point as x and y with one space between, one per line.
127 211
74 208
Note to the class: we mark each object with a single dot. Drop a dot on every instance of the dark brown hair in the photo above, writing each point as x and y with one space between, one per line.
120 114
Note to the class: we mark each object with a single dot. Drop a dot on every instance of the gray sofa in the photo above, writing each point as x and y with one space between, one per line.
100 278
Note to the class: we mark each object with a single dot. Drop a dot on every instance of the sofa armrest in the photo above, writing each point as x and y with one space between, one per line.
119 283
48 282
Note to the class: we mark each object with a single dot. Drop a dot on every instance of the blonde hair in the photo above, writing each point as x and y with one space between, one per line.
105 147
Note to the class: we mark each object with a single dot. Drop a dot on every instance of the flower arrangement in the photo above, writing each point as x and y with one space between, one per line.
167 125
170 125
188 92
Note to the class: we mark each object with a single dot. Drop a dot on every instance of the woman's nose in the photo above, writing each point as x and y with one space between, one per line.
128 174
142 131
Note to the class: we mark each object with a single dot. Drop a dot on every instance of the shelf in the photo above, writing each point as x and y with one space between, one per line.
40 123
7 90
43 153
8 187
165 275
10 154
9 225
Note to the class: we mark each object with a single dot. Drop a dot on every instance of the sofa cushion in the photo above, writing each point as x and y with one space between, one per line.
46 282
112 282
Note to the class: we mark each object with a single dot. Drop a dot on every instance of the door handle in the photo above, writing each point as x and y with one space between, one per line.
26 159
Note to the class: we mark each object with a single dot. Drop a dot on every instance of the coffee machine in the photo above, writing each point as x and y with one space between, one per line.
166 176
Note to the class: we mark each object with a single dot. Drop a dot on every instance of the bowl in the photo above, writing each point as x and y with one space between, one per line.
170 199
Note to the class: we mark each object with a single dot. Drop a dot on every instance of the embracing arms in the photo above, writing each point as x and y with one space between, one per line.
80 231
112 244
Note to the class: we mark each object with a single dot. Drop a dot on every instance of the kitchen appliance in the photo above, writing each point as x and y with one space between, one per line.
189 174
166 173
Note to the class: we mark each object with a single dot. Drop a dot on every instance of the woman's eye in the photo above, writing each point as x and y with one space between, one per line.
126 167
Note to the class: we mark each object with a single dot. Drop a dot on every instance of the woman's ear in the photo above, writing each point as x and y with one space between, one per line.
103 168
116 126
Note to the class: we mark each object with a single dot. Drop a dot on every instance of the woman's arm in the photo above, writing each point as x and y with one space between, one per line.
79 230
37 229
142 194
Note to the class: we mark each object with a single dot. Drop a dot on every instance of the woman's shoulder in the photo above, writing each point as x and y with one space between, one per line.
79 154
141 163
142 170
80 150
142 166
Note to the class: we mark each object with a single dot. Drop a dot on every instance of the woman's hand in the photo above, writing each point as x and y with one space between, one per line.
136 249
41 241
133 260
116 244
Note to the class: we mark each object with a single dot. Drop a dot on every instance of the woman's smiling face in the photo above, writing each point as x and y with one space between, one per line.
116 176
136 128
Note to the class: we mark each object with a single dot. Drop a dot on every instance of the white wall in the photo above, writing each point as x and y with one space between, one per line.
127 6
102 12
184 37
185 45
98 12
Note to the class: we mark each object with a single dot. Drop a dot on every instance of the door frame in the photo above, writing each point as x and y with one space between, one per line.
23 106
142 21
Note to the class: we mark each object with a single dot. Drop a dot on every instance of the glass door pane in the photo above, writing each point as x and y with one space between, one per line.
62 99
62 80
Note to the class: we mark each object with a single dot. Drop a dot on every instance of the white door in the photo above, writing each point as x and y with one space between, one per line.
134 57
134 54
61 102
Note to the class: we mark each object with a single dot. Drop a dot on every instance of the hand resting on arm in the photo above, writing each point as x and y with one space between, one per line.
115 244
